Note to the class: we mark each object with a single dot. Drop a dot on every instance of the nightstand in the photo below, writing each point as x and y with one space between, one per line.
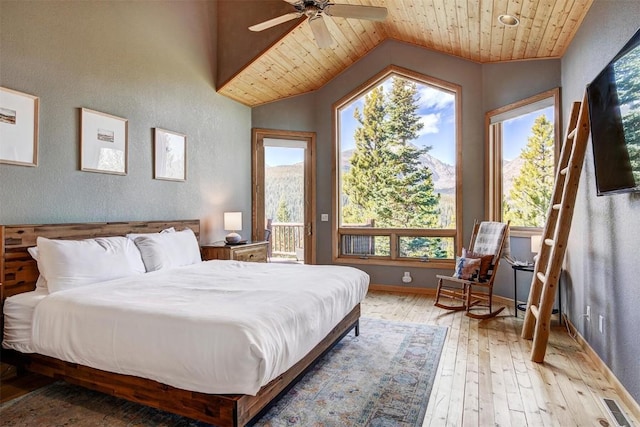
250 251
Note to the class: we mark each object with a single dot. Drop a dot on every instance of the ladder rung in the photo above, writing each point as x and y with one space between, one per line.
572 134
541 277
549 242
564 171
557 206
534 310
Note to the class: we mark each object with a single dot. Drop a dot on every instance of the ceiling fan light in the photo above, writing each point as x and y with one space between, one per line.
508 20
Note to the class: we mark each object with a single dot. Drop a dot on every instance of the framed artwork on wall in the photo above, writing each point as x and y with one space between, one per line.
18 128
170 155
103 142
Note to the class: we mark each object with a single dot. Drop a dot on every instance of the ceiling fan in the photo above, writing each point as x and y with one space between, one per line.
315 9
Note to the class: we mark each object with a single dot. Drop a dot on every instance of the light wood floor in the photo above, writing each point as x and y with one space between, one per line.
485 376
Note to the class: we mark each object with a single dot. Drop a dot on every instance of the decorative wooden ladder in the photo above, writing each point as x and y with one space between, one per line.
547 270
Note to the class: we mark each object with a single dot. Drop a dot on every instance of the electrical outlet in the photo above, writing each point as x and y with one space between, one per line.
601 324
588 315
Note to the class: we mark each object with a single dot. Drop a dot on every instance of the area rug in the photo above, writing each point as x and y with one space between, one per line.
381 378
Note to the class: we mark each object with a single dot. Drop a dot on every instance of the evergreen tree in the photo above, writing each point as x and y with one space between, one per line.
628 87
531 193
387 182
283 214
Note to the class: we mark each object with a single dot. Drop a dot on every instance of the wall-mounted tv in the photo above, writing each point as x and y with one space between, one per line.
614 113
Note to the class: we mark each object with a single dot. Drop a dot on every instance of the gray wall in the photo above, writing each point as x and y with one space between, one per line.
150 62
312 112
602 261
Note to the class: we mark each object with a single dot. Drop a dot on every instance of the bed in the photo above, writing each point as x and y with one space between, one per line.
279 360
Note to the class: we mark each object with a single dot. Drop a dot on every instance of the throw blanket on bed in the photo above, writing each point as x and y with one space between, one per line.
214 327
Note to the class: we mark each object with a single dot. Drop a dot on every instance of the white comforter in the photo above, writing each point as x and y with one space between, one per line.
213 327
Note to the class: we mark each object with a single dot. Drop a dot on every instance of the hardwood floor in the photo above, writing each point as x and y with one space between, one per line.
485 376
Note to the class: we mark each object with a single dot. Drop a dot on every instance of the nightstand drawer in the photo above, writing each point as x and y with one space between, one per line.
255 254
250 252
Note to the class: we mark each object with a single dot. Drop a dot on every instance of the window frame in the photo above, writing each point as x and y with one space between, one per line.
493 155
394 233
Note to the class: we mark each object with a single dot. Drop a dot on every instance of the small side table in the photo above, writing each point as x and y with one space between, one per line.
250 251
523 306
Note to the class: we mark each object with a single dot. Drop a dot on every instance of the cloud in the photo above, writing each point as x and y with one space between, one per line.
430 122
434 98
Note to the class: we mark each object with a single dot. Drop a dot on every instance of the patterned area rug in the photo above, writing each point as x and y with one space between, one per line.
381 378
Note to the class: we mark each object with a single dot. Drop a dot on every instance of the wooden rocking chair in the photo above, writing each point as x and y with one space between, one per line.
475 289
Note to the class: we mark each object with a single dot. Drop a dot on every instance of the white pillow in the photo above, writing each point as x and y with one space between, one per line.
41 282
134 236
66 264
167 250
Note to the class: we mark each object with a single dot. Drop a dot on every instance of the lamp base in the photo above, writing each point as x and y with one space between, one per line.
232 238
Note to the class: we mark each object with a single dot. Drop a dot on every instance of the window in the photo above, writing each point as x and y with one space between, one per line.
396 198
522 149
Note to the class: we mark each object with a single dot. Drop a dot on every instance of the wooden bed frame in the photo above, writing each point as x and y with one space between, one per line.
19 272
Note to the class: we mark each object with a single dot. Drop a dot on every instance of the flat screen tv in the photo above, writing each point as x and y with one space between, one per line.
614 114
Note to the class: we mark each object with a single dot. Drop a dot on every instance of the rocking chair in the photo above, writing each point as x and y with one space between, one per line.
472 282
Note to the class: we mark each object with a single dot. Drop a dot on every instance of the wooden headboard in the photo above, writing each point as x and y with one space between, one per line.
19 272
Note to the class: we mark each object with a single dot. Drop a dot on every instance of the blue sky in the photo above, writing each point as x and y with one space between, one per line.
437 113
516 132
280 156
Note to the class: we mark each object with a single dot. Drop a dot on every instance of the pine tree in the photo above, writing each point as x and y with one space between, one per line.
531 193
387 182
283 214
628 87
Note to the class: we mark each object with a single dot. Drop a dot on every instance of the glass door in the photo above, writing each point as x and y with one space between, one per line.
283 201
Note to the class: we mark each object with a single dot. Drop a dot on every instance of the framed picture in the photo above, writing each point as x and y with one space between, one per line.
18 128
170 155
103 143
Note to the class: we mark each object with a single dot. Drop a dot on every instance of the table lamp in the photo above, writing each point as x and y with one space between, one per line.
233 223
536 243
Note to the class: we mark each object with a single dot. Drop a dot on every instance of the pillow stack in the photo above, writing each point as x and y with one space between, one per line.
67 264
168 250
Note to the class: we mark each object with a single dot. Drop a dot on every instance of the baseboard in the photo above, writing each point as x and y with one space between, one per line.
626 397
402 289
427 291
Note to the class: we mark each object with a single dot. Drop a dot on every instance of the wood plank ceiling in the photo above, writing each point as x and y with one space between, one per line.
465 28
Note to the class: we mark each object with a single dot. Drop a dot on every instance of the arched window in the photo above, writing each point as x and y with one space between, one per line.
397 182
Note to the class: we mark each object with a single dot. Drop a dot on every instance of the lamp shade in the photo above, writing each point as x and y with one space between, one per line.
233 221
536 242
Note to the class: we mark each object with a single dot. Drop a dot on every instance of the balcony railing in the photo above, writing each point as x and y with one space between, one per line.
287 239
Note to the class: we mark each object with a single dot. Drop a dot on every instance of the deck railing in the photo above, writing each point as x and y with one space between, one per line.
287 239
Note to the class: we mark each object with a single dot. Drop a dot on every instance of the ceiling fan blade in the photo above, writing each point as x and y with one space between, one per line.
372 13
320 32
292 1
275 21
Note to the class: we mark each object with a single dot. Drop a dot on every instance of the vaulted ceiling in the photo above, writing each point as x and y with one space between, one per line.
293 64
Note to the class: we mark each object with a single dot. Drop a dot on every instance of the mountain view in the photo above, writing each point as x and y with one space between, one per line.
286 183
444 175
510 170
